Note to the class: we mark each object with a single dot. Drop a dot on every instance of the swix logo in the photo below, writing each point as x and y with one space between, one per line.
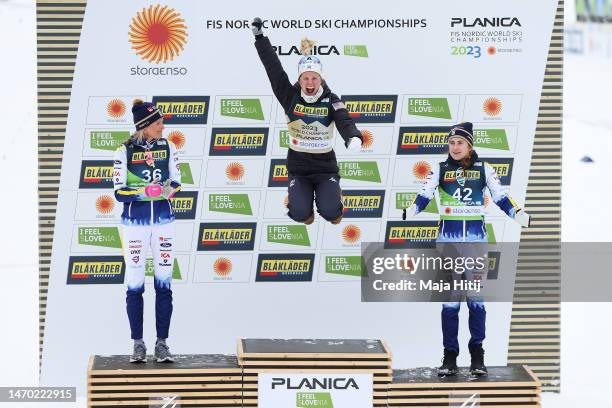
486 22
316 50
315 383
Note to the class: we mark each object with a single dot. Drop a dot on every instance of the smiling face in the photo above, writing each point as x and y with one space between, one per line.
458 148
310 82
154 130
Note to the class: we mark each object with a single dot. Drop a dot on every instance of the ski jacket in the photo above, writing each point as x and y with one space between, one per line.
462 198
135 167
310 125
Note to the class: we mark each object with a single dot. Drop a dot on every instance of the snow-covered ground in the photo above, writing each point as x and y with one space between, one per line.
586 327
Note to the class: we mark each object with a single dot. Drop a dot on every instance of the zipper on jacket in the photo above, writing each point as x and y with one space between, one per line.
130 210
151 212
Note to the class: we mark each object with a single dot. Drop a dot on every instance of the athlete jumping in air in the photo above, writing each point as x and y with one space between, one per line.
146 175
311 110
461 181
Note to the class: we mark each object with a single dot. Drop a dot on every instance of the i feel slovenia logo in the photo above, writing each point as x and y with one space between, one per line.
158 34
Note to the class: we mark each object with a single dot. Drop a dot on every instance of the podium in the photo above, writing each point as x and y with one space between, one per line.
192 380
504 387
346 356
216 381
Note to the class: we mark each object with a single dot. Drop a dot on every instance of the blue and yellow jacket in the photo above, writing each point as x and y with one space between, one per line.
462 192
135 167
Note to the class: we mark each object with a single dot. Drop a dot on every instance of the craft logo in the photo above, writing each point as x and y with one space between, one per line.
360 170
491 139
238 142
284 267
351 233
249 108
156 155
105 204
183 110
95 270
230 204
345 265
99 236
492 106
367 139
421 170
310 111
429 107
158 34
107 139
485 22
288 234
371 108
503 167
422 140
227 236
401 234
177 138
115 108
363 203
405 200
222 267
96 174
184 205
278 176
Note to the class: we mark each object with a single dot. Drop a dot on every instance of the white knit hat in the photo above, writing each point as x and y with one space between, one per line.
310 63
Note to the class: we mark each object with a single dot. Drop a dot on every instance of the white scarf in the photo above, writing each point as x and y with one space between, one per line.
313 98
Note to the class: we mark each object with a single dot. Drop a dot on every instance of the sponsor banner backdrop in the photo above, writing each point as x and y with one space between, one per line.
231 135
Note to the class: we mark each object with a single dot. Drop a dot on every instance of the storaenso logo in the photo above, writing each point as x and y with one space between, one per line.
315 383
485 22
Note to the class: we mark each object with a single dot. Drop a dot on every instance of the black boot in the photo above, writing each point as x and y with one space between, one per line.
449 364
477 367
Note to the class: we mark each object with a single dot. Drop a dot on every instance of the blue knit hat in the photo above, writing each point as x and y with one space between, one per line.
145 113
463 130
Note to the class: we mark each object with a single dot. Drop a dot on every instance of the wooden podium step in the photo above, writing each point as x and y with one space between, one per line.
504 387
192 380
330 356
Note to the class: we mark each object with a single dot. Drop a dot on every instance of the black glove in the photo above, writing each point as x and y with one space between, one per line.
256 27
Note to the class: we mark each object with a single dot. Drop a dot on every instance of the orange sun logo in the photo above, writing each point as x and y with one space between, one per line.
222 267
115 108
351 233
158 34
491 50
421 170
105 204
234 171
178 138
368 139
492 106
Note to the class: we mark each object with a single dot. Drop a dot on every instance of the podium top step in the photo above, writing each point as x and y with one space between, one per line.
182 362
514 375
275 348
